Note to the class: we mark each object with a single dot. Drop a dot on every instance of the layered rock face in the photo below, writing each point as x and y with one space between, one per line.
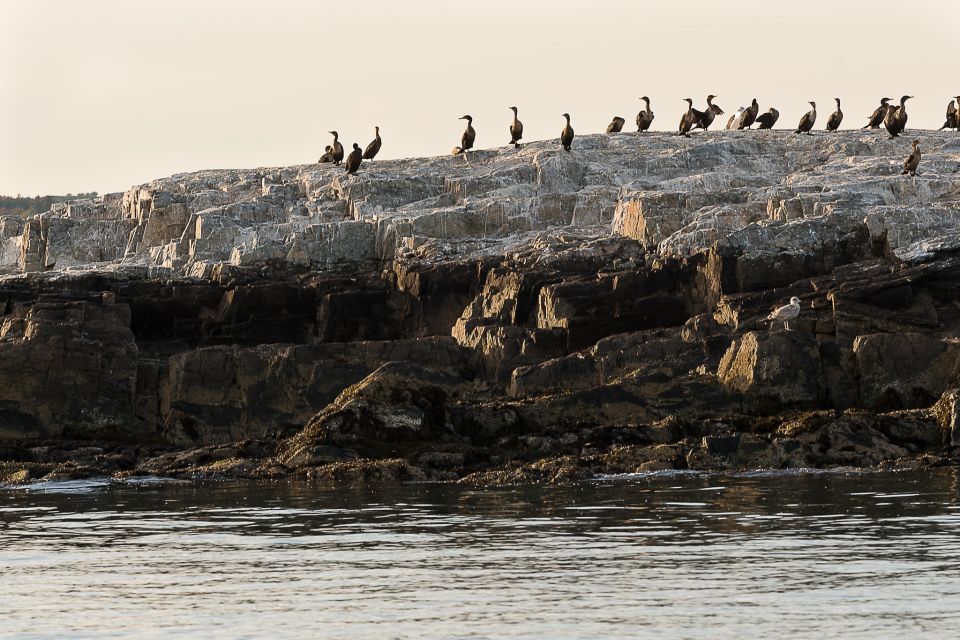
518 313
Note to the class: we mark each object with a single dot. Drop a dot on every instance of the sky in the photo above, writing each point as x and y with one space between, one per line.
99 95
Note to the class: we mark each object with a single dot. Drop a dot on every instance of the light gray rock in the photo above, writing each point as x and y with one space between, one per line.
754 193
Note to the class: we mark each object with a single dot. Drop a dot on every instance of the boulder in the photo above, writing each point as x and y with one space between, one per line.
773 371
904 370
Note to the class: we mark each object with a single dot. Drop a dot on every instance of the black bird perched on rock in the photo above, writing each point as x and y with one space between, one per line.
876 118
688 119
749 116
953 120
516 129
337 151
374 147
566 136
645 117
808 120
768 119
896 119
616 125
469 135
354 159
913 160
833 122
327 154
705 118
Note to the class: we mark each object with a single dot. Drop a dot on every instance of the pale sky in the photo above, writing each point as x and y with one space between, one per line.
103 94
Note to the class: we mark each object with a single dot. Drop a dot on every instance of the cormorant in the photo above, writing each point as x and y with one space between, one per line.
337 149
688 119
953 122
566 136
327 154
616 125
354 159
645 117
913 160
469 135
833 122
876 118
516 129
808 120
768 119
374 147
896 119
749 115
705 118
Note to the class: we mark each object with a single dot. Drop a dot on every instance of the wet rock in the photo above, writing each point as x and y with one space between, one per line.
773 370
947 413
68 368
221 394
395 410
904 370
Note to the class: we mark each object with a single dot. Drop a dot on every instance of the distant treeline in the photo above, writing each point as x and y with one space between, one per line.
18 206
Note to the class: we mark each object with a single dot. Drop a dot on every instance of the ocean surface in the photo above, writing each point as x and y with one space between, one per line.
757 555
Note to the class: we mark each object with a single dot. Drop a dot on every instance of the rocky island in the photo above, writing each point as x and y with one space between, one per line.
519 314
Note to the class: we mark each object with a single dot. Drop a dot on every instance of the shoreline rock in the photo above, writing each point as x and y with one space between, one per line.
528 315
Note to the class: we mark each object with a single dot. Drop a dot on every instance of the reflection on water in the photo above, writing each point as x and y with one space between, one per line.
675 556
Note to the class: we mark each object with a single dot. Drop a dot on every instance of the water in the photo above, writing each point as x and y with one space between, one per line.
677 556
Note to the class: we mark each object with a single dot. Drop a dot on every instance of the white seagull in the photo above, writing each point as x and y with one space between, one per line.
786 313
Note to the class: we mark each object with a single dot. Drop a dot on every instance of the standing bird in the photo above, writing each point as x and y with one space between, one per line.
953 120
808 120
645 117
768 119
469 135
876 118
913 160
337 150
732 121
705 118
354 159
688 119
896 119
786 313
374 147
616 125
516 129
749 115
833 122
566 136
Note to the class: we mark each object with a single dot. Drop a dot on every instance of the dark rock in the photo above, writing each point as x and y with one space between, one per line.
773 371
904 370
